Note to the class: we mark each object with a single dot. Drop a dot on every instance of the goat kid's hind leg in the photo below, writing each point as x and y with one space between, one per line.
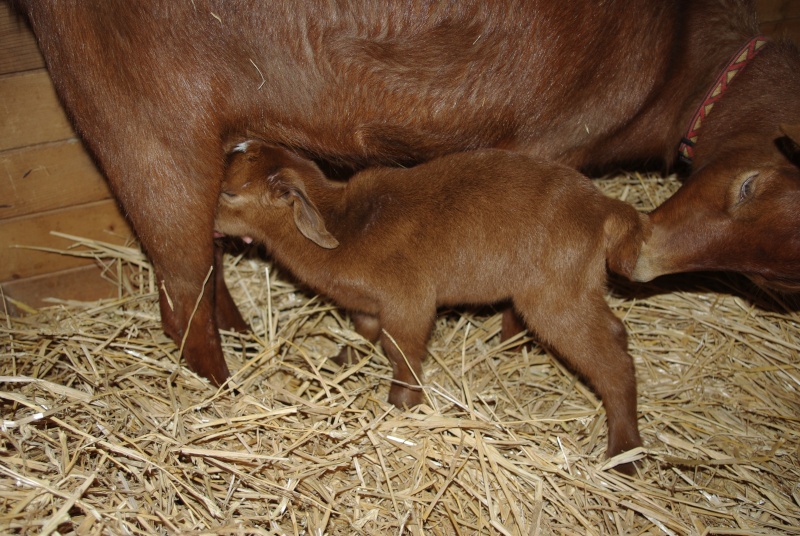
405 342
592 341
369 327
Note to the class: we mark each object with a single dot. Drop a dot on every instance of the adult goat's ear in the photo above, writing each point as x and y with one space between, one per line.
289 187
792 132
791 143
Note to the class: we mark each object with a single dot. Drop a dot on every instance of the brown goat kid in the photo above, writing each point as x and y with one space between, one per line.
391 245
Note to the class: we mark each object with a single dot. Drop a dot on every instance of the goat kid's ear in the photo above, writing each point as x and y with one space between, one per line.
309 221
306 215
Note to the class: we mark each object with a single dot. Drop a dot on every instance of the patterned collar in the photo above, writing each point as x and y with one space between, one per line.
736 65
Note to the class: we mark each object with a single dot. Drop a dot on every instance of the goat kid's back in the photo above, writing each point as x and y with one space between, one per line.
483 223
469 228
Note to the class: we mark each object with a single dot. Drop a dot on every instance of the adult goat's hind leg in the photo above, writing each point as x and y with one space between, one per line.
170 198
228 315
153 126
188 313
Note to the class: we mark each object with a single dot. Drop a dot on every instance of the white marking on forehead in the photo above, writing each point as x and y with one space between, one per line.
242 147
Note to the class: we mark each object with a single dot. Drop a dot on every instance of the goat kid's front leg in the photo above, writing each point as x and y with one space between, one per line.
405 343
369 327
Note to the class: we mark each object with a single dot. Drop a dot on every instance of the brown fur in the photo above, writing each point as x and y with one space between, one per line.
391 245
156 87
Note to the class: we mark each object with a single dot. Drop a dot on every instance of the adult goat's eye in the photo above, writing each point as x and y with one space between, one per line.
747 188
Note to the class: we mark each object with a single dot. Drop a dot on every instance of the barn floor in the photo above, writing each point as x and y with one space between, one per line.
104 432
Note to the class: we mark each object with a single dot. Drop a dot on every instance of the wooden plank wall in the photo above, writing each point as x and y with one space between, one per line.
49 183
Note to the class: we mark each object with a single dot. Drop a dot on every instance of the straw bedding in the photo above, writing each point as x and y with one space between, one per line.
105 432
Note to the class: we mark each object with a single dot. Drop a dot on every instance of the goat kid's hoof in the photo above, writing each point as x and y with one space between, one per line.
347 356
405 397
627 468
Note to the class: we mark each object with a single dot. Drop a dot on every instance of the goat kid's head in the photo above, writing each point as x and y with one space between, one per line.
263 182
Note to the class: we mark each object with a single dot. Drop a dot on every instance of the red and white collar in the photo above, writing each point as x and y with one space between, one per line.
736 65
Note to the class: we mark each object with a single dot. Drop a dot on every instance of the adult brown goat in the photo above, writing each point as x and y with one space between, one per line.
393 244
155 88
